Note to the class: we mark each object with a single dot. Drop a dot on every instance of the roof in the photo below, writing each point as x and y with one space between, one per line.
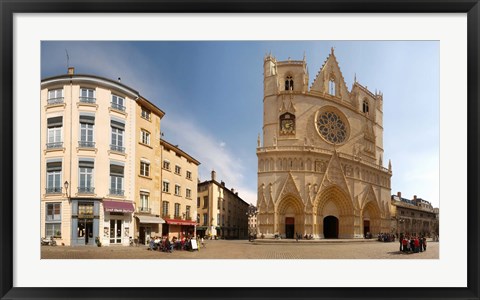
223 187
177 150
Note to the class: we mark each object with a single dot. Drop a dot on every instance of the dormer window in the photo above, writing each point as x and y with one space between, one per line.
365 107
289 83
331 87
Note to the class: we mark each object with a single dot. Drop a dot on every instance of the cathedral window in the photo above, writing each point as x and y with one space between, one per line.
365 107
331 127
289 83
331 87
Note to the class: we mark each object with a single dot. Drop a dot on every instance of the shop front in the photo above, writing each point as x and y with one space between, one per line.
179 228
148 226
117 221
85 221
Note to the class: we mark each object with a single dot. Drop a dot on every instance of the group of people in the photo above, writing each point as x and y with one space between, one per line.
386 237
413 244
164 244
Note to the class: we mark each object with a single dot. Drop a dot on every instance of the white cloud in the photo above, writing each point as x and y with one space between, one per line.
212 155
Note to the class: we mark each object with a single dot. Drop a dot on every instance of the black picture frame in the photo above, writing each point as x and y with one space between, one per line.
10 7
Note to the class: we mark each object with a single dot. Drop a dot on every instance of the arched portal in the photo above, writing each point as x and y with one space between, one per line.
334 202
290 217
371 218
330 227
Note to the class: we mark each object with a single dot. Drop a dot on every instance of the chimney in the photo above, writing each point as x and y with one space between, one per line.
214 175
399 194
119 79
71 70
414 197
223 183
233 190
236 193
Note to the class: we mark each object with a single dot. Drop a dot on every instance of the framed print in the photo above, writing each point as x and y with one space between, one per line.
106 73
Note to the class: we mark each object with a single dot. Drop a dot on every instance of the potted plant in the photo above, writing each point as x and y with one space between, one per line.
97 241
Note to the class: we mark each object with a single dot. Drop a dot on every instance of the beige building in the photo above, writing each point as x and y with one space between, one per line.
413 217
220 212
320 166
179 191
89 160
148 176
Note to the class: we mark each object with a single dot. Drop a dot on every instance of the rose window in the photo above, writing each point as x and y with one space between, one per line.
331 127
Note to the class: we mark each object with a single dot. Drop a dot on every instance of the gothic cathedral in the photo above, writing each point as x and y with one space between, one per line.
320 168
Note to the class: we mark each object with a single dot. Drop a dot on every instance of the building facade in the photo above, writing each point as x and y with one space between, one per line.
320 165
179 191
413 217
221 213
89 162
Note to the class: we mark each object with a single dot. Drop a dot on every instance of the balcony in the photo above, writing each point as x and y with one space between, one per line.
144 209
86 144
88 100
117 148
116 192
53 190
55 145
53 101
86 190
117 106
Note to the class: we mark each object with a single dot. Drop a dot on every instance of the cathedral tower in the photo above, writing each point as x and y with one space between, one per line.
320 167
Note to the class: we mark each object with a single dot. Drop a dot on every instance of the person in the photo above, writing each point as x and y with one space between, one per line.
401 242
420 242
416 244
404 244
168 245
424 244
202 241
296 236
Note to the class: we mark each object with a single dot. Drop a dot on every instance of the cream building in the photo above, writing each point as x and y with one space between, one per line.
320 166
89 140
220 211
413 216
179 191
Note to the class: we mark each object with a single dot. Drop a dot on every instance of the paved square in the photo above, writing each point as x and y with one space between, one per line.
243 249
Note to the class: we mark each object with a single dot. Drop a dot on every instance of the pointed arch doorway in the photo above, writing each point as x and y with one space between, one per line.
330 227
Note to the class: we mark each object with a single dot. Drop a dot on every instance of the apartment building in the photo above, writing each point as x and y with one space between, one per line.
93 148
221 213
179 191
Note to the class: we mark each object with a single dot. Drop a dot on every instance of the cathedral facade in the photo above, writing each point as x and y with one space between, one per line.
320 166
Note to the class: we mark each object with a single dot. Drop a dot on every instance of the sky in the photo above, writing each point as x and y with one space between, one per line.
212 96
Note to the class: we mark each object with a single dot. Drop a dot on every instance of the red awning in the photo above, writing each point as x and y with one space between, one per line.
118 206
180 222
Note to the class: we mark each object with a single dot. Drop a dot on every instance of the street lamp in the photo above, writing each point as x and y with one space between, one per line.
65 184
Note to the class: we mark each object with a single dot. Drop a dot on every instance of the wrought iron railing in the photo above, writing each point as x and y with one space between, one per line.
87 100
53 190
117 192
86 144
55 100
54 145
117 148
144 209
86 190
118 106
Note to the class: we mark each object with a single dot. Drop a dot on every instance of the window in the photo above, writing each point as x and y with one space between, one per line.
145 114
53 212
402 212
177 190
144 169
365 106
205 201
177 169
54 132
223 220
219 203
87 95
53 229
165 208
118 103
118 129
198 219
85 184
144 196
116 180
189 175
331 87
289 83
166 187
187 212
205 219
413 214
55 96
218 219
53 220
177 210
54 178
188 193
198 201
166 164
145 135
86 131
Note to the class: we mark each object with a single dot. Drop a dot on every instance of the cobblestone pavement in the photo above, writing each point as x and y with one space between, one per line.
243 249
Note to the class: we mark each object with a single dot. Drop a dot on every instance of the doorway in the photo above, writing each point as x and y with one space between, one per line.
366 227
85 231
289 228
144 234
330 227
116 231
